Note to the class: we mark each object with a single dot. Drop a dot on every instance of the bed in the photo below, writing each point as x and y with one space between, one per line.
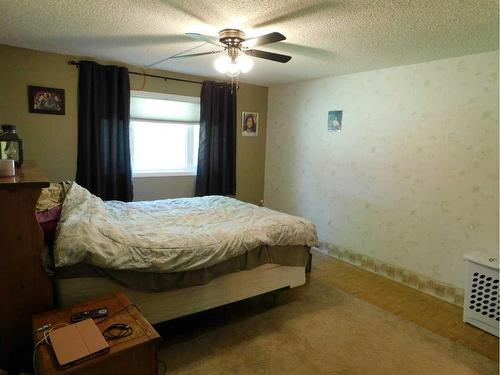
175 257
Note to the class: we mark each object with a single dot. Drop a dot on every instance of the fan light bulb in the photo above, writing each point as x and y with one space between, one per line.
233 70
224 65
245 63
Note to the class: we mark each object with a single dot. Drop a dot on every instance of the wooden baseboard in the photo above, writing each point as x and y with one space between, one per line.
446 292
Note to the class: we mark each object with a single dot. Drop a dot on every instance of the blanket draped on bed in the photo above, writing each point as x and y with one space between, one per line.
171 235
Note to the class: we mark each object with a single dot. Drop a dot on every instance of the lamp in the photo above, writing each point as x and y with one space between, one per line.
11 146
233 66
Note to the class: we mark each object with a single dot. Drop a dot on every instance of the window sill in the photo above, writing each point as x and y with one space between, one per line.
163 174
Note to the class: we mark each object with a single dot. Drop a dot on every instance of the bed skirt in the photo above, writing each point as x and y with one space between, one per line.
156 282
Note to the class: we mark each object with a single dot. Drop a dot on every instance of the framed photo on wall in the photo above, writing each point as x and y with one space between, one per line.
46 100
249 124
335 121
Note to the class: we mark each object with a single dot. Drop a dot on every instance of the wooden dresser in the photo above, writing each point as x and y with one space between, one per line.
25 288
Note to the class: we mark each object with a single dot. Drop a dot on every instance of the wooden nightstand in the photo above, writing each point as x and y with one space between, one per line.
134 354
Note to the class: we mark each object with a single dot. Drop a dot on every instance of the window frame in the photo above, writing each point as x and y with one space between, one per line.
190 135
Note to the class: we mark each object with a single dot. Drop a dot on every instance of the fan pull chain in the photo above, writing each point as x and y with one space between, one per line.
233 85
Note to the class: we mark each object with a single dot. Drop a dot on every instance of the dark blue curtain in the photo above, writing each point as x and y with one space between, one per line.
216 174
103 165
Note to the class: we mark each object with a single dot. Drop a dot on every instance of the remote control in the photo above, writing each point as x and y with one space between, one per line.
94 314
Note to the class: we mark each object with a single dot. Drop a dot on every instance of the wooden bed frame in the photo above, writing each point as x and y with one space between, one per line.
162 306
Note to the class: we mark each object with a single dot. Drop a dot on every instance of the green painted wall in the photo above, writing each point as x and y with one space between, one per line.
51 140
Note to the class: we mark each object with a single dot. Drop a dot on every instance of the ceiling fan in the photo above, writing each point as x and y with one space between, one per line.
237 49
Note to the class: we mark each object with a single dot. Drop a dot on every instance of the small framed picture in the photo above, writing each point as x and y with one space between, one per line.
249 124
46 100
335 121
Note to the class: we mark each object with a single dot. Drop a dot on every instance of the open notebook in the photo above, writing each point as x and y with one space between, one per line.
77 342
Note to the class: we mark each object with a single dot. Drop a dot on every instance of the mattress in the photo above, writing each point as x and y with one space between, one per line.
154 282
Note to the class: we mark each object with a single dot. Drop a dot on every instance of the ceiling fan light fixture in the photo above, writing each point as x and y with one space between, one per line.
225 65
237 50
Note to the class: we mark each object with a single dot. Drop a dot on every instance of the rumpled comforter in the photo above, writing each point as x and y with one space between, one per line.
171 235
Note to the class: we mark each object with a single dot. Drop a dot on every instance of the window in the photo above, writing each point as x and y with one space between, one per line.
164 134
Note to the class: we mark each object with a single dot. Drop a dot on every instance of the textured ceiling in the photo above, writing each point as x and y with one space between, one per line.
324 37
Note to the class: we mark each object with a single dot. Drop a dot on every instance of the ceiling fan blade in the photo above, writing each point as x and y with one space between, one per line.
268 55
205 38
196 54
298 49
263 39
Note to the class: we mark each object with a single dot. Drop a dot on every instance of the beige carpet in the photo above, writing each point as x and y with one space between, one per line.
315 329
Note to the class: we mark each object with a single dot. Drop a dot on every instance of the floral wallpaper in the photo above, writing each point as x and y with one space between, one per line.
412 177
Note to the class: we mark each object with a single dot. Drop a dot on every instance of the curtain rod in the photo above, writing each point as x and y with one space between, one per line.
76 63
